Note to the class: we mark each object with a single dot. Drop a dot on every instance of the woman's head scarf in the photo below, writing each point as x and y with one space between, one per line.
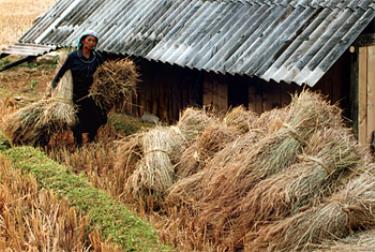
84 35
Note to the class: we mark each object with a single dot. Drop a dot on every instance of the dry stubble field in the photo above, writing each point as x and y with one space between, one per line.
16 17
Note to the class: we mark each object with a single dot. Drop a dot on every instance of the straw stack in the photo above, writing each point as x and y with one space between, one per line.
128 153
212 140
240 120
21 126
225 186
329 153
114 82
348 210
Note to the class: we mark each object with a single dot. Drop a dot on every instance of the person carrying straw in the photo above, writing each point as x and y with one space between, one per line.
83 63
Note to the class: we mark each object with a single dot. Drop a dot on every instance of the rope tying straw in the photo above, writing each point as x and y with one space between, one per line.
294 134
319 161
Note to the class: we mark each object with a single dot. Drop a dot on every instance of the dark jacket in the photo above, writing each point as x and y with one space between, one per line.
82 71
90 116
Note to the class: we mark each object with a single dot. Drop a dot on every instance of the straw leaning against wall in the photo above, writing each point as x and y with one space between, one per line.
225 186
240 120
329 153
348 210
192 122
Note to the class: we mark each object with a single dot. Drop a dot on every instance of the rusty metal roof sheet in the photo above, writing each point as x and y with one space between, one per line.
283 40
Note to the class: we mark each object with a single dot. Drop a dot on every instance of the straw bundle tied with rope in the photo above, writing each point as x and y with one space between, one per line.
240 120
362 241
226 185
348 210
212 140
114 82
328 154
154 173
190 189
152 167
192 122
35 123
128 152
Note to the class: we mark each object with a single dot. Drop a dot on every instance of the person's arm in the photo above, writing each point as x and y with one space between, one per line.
102 56
61 72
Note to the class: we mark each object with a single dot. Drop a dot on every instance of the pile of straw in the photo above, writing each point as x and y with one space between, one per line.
240 120
212 140
346 211
192 122
329 153
225 186
189 190
114 82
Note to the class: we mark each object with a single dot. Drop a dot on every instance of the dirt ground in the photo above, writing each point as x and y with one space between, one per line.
28 80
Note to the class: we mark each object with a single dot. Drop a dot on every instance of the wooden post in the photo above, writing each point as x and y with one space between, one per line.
370 92
354 89
362 95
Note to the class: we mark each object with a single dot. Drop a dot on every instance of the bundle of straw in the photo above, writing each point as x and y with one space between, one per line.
272 120
155 172
59 113
348 210
189 190
364 241
226 186
22 126
114 82
240 120
328 154
128 152
212 140
34 124
192 122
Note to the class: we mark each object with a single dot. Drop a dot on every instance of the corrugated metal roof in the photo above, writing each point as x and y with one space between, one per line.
283 40
27 49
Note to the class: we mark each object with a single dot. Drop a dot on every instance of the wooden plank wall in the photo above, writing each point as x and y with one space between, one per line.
366 94
265 96
215 93
165 90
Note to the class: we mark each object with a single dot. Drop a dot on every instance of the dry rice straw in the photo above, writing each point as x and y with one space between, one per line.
225 186
328 154
348 210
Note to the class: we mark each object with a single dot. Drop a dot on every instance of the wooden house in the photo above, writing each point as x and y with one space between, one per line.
223 53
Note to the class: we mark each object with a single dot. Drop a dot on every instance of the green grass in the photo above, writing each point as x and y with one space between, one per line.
4 142
127 125
110 216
